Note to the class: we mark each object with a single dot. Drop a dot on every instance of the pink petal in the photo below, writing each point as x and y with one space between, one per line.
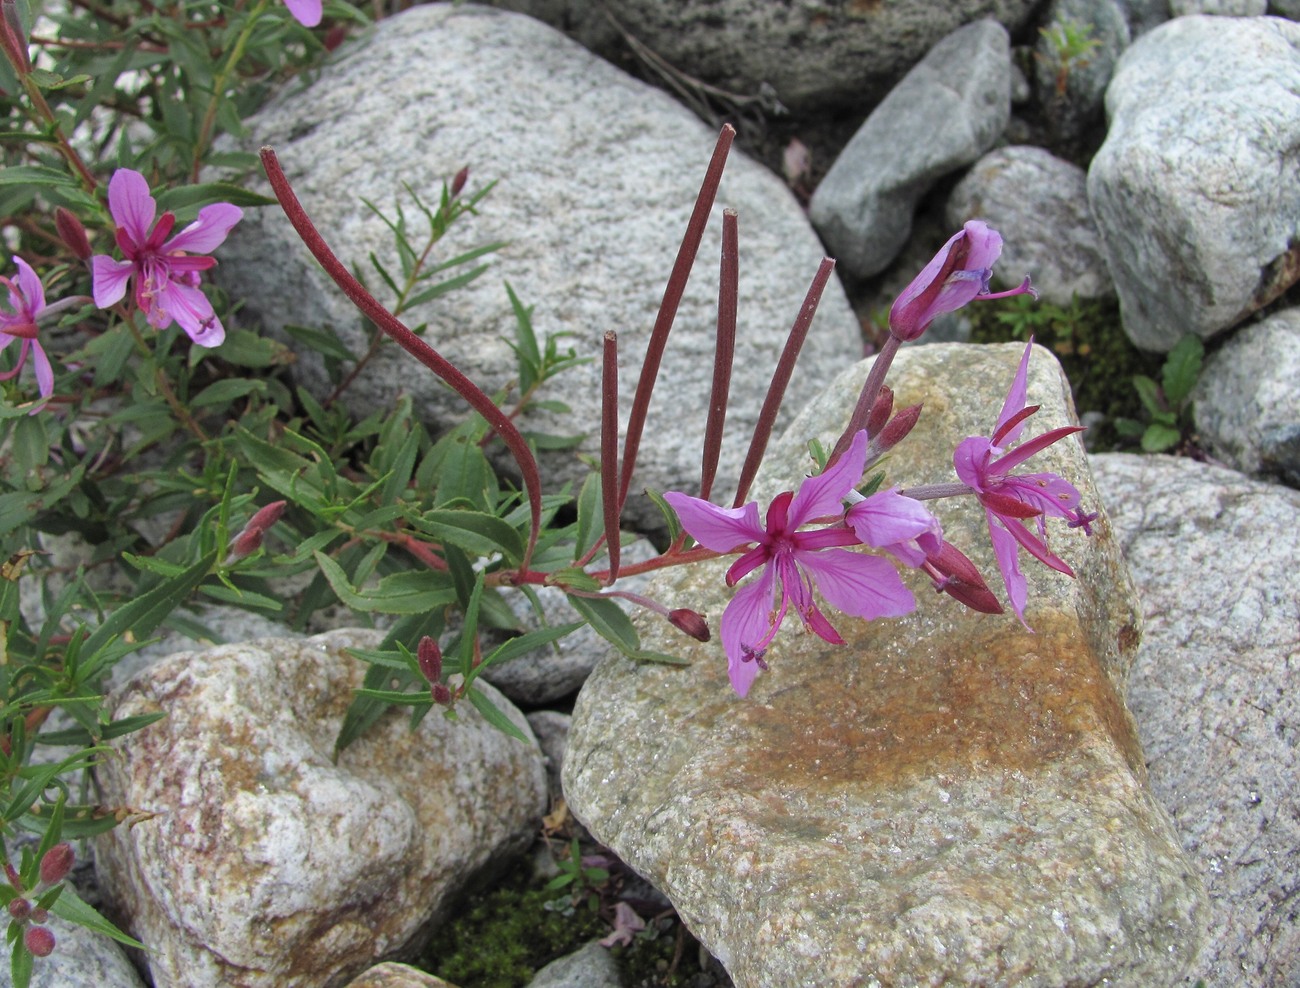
1015 397
44 372
305 12
32 289
719 529
1049 492
822 495
1007 554
207 232
192 312
984 245
1036 445
859 584
746 626
969 460
887 517
109 279
132 206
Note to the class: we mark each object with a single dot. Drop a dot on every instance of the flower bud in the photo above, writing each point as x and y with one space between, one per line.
898 428
72 232
429 656
249 538
458 183
880 412
691 622
955 575
19 908
39 940
57 863
14 38
334 37
14 878
40 915
441 694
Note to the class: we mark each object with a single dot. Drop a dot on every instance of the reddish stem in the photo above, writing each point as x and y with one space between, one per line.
673 292
609 448
723 352
781 379
411 343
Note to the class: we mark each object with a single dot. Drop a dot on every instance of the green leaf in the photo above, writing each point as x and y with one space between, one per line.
591 515
401 593
1148 392
207 193
524 644
608 621
35 175
71 907
324 341
224 392
1182 368
670 516
657 658
477 532
21 963
443 287
1159 438
143 614
494 716
526 350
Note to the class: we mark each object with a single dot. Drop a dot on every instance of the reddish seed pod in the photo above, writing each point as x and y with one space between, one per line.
691 622
57 863
39 940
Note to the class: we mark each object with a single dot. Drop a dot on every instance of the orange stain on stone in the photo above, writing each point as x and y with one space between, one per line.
984 700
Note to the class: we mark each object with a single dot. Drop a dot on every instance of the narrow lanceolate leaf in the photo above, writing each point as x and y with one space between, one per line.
71 907
590 517
143 614
670 516
1182 368
400 593
524 644
478 533
608 621
494 715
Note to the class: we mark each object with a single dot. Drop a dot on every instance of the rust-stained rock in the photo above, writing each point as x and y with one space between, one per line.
948 798
265 864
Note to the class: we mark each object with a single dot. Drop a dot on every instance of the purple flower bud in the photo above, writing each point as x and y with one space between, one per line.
880 412
19 908
39 940
691 622
956 275
73 233
40 915
898 428
249 539
458 183
441 694
429 656
57 863
14 878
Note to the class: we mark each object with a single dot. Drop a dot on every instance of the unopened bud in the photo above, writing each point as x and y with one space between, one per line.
249 538
19 908
57 863
429 656
956 575
691 622
14 878
15 39
334 37
458 183
880 411
39 940
72 232
441 694
898 427
40 915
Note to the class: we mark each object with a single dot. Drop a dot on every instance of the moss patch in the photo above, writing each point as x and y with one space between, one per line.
1087 338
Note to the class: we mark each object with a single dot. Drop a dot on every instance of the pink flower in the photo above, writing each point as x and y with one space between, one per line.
305 12
956 275
985 466
857 584
26 302
166 271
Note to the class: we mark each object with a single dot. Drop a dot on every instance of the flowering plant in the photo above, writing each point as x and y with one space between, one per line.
162 437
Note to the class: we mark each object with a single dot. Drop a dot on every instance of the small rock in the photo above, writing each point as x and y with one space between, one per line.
1247 407
1039 203
551 729
1196 190
945 113
262 862
1220 8
591 967
390 975
81 959
1215 555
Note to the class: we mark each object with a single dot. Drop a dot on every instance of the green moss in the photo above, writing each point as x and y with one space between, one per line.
499 937
1087 338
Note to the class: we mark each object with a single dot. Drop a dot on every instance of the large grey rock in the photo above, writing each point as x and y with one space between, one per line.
1221 8
1196 190
946 112
262 861
945 799
1213 690
597 175
809 56
1071 89
591 967
1039 204
1143 15
1247 406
